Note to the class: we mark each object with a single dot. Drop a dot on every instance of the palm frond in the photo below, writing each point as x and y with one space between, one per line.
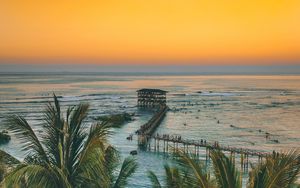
226 174
7 159
33 176
258 176
20 127
97 138
278 170
195 172
53 131
173 177
92 168
154 180
7 163
112 161
129 166
91 161
75 134
3 171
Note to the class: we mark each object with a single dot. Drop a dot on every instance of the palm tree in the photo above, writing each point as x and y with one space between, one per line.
277 171
189 173
66 154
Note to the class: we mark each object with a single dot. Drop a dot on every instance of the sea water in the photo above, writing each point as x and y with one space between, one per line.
236 111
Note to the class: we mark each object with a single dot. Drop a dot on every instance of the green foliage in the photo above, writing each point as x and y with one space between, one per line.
116 120
7 159
129 166
7 162
173 178
277 171
226 174
193 170
2 171
154 180
189 172
66 155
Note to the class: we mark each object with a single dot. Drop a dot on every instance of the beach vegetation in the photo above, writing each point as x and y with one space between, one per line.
116 120
276 171
66 153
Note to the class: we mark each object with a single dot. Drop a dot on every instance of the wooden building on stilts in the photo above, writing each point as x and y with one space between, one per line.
151 98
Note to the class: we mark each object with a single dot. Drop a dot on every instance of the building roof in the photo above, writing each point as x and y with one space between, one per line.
151 90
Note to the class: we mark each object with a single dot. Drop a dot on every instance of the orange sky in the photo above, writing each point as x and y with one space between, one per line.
151 30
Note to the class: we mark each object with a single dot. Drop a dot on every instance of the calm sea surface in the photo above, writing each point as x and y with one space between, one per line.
246 107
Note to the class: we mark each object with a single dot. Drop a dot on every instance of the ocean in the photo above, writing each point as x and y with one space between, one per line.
235 110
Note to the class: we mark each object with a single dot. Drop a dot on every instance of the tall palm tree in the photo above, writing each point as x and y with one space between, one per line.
66 154
276 171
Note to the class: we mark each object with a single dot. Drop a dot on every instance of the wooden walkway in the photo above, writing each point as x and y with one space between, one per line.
173 143
177 139
146 131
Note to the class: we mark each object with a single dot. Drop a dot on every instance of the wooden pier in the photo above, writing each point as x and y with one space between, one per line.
174 143
146 131
177 139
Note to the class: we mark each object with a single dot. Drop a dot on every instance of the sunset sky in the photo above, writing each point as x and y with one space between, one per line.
150 32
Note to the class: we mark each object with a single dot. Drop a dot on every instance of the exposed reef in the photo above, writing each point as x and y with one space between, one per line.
116 120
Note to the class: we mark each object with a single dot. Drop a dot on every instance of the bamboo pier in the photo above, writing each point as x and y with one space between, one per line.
173 143
146 131
177 139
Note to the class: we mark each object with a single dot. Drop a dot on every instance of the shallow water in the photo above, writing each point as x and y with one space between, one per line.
246 107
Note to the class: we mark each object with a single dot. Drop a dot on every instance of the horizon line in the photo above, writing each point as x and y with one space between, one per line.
151 69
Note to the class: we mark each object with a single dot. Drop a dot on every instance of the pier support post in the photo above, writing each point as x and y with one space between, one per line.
247 161
233 157
242 161
167 146
174 147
